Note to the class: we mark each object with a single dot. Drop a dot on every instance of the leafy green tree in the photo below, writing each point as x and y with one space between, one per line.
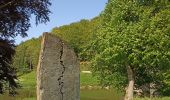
132 46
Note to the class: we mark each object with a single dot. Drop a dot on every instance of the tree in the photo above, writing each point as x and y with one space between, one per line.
15 20
132 47
15 15
7 73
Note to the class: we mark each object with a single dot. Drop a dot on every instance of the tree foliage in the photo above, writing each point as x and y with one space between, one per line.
133 33
27 55
78 35
7 72
15 15
15 20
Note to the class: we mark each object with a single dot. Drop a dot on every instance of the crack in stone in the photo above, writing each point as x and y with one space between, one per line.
61 83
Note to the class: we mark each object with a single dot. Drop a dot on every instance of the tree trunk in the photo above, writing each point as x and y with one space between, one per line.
129 90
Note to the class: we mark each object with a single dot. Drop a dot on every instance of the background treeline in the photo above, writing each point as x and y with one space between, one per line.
78 35
27 55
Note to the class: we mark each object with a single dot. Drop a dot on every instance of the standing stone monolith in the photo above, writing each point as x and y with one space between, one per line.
58 71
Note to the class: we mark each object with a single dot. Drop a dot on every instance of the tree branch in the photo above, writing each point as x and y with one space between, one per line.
2 6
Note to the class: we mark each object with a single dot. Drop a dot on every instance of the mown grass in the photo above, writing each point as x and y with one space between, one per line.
28 90
28 83
99 94
163 98
88 79
28 80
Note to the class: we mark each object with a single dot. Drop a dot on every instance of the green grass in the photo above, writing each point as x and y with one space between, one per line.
88 79
163 98
28 80
28 90
99 94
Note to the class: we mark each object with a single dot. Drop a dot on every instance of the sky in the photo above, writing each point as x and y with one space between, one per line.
65 12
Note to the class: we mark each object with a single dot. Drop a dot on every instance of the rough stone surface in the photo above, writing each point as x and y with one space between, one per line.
57 71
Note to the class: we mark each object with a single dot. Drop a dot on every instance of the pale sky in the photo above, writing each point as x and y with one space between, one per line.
65 12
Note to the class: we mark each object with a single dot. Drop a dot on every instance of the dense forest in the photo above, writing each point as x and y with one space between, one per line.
27 55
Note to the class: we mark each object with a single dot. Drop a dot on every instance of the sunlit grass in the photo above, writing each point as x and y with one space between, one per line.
28 90
163 98
87 79
28 80
99 94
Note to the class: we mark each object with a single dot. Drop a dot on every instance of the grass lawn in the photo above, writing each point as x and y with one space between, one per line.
163 98
28 90
87 79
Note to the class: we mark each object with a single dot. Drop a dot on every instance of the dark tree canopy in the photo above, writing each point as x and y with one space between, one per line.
7 73
15 20
15 15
